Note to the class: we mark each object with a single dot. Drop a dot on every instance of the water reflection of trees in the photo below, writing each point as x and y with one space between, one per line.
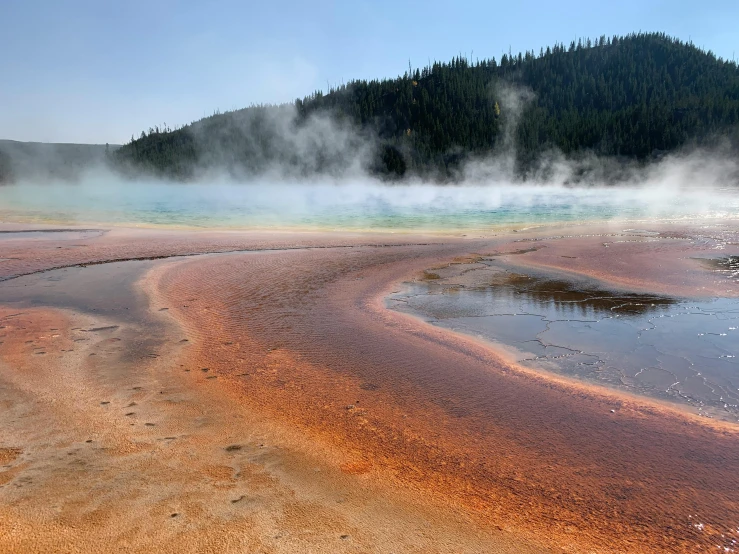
568 298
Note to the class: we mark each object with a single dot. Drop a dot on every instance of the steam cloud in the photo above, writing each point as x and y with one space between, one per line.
340 192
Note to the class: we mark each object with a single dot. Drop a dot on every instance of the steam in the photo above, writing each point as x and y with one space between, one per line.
672 189
315 172
279 145
513 102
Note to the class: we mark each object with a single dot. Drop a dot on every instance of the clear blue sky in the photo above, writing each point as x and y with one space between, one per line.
100 71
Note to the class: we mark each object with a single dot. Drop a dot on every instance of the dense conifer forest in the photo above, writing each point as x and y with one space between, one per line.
632 98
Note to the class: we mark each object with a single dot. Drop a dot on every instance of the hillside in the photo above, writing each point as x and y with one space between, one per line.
39 161
631 97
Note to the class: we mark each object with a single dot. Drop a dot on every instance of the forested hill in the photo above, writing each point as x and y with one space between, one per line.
631 97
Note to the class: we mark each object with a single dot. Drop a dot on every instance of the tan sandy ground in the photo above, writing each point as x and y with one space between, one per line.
100 456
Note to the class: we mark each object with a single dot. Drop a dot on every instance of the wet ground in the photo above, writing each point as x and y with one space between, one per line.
49 234
110 437
104 289
99 291
677 349
266 401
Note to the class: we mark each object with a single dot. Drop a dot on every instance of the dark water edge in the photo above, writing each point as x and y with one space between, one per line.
105 292
676 349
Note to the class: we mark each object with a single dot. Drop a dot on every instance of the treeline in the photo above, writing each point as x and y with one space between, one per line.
632 97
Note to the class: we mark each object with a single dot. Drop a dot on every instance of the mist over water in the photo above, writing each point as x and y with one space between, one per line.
360 204
318 176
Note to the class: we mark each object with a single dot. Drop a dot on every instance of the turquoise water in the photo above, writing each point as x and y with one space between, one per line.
350 206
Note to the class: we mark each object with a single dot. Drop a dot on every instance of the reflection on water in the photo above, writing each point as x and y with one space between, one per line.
727 266
671 348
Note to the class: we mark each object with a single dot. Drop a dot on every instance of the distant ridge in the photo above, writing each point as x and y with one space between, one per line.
40 161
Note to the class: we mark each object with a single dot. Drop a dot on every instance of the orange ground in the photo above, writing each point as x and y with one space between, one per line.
348 420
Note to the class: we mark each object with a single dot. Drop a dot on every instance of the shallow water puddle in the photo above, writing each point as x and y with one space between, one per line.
671 348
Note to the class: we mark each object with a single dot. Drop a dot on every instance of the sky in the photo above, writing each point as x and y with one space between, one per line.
92 71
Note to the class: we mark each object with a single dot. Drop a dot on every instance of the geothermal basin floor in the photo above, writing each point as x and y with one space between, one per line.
228 392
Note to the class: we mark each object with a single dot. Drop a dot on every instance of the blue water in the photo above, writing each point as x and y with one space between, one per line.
349 206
